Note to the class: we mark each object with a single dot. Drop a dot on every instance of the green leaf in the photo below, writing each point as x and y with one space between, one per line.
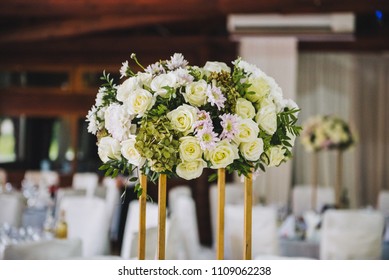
212 177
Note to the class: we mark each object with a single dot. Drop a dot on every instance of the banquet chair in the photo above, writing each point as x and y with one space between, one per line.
264 231
176 192
11 208
130 237
63 193
88 220
383 202
55 249
187 228
302 198
112 199
234 195
46 178
351 234
86 180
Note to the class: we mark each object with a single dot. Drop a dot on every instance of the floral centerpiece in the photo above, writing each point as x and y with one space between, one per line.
177 119
327 133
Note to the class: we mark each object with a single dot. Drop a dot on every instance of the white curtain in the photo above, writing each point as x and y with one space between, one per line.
354 87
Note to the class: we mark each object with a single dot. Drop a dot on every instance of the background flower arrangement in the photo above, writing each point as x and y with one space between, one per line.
327 133
177 119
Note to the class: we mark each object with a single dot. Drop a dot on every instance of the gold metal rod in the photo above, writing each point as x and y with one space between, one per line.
248 216
221 185
142 219
315 179
161 216
339 177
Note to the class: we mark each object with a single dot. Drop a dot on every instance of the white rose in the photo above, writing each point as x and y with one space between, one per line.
130 153
190 148
189 170
245 109
275 155
126 88
247 131
183 118
139 102
117 121
259 88
161 81
252 150
196 93
215 66
144 79
267 119
108 148
222 155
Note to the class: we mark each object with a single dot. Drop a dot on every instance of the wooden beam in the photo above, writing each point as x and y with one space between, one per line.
46 8
100 7
75 27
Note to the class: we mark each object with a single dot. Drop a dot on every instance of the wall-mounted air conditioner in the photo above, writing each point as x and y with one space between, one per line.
298 25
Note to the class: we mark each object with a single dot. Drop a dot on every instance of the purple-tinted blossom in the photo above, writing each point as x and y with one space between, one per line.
155 69
207 138
215 96
203 119
229 124
176 61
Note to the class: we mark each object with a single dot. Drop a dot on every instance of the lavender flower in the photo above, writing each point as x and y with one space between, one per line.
229 124
215 96
176 61
207 138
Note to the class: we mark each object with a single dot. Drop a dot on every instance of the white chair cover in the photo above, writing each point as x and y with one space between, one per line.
302 198
132 227
234 195
112 198
264 231
351 234
11 208
88 220
66 192
86 180
55 249
187 226
383 202
174 193
45 178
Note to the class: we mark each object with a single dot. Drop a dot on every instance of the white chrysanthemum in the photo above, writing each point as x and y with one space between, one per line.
155 69
123 69
177 60
117 122
99 97
276 94
93 126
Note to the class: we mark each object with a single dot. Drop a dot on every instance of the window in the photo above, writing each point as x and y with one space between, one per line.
7 140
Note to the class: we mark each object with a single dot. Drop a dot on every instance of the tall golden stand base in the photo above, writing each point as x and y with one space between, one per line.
248 214
221 185
315 179
339 177
161 216
142 219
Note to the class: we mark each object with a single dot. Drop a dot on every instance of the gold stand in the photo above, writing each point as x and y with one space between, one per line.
221 185
142 219
248 213
161 216
315 179
338 182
